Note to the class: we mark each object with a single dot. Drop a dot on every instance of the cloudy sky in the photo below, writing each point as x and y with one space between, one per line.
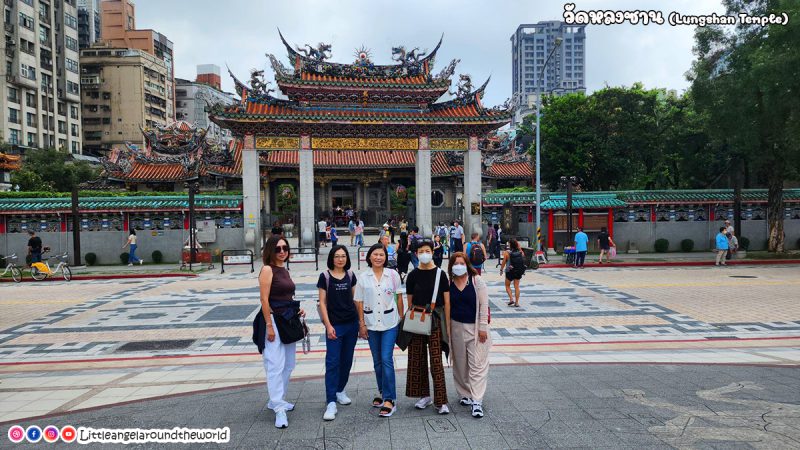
240 32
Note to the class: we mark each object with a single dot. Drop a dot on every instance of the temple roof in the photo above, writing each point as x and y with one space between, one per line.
10 162
116 204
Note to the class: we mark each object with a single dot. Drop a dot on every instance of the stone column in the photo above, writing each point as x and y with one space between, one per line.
266 194
423 188
472 187
306 192
251 193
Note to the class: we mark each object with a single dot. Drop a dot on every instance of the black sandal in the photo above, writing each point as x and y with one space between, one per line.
386 411
377 402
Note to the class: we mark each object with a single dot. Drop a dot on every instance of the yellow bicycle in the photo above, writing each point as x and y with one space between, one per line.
42 270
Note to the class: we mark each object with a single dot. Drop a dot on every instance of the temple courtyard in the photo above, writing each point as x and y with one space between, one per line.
646 357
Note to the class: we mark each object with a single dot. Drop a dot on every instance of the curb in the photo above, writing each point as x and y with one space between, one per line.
106 277
764 262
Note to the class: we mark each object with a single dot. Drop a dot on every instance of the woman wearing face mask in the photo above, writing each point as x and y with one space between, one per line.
379 299
469 341
420 292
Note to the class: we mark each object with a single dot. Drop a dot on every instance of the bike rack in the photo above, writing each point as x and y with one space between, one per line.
237 261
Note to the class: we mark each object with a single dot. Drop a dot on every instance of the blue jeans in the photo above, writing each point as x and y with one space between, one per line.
132 259
339 359
381 344
414 260
359 239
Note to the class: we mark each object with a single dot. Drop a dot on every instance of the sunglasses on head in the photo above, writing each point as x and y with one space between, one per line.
282 248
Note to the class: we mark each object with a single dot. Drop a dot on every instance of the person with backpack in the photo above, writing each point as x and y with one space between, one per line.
476 252
338 312
470 341
334 235
379 299
513 266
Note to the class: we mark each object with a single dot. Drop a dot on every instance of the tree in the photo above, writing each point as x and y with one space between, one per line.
746 82
52 170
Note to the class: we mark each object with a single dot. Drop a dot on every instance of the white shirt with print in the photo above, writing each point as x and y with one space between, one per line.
378 297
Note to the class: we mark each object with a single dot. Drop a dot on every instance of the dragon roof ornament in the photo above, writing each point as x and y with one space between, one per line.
465 95
412 63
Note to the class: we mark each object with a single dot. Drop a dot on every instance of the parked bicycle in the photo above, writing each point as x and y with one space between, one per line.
42 270
16 273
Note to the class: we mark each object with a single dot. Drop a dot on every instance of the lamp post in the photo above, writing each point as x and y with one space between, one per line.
193 189
569 183
538 144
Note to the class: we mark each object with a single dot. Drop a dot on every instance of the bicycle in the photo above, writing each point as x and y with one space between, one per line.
16 273
42 270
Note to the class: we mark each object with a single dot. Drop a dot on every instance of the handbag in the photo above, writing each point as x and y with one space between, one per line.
417 320
612 252
290 330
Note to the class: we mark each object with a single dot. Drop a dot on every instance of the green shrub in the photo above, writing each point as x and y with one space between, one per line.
687 245
123 257
91 259
157 256
661 245
744 243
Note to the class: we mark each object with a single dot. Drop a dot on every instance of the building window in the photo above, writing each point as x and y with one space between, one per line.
70 21
62 127
26 21
27 72
75 130
13 115
13 95
73 88
73 112
13 136
31 139
72 65
437 198
76 147
30 119
72 43
30 100
62 144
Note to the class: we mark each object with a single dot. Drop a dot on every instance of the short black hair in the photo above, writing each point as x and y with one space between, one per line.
721 229
335 249
372 249
425 243
415 229
31 232
133 231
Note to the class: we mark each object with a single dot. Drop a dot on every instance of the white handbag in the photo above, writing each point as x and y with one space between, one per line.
417 320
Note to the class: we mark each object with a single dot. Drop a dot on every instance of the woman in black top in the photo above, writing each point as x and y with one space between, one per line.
438 251
403 257
605 243
419 290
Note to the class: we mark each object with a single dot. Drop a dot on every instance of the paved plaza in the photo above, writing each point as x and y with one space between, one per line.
605 357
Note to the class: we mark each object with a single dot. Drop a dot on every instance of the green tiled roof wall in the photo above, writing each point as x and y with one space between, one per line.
120 203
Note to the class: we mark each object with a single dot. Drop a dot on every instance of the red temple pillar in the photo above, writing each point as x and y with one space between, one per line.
611 222
63 224
652 214
2 224
125 219
186 225
711 217
580 217
550 226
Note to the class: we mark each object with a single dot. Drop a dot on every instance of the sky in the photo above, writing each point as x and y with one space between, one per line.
239 33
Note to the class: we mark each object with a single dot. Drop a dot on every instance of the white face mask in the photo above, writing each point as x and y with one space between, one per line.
425 258
459 270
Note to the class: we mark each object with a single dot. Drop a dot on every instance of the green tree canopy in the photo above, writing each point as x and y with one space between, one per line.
51 170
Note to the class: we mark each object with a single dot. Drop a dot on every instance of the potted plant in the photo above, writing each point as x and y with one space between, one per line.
287 205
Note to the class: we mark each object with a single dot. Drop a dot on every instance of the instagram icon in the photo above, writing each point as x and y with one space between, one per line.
16 434
50 433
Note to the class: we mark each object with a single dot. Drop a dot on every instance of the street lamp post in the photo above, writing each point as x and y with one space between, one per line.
538 146
193 189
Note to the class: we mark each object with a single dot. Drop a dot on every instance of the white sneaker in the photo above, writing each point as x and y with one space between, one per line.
477 410
330 411
130 264
289 406
444 409
280 419
423 403
141 261
466 401
342 398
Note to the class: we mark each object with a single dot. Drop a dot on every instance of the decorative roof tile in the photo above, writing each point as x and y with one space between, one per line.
114 204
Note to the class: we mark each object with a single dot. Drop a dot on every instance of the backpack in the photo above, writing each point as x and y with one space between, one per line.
476 255
413 243
517 261
442 232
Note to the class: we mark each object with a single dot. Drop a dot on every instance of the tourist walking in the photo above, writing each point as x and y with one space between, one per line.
413 243
729 233
379 299
491 241
351 227
35 247
469 341
274 320
359 230
337 310
438 251
457 237
131 243
428 289
605 243
513 266
322 227
581 247
476 252
450 239
391 253
722 246
403 257
333 235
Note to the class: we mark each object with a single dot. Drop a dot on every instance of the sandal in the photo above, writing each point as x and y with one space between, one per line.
377 402
387 411
510 303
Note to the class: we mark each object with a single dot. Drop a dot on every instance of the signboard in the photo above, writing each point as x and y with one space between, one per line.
237 259
206 231
167 222
147 223
302 257
104 223
362 254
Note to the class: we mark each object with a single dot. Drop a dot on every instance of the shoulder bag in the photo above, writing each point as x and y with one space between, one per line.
417 320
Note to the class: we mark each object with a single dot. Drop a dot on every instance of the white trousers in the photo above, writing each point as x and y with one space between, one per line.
279 361
470 361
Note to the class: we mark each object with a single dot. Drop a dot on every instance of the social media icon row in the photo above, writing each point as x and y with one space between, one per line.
33 433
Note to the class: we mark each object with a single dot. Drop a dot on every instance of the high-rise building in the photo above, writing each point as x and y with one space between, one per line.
41 87
118 24
531 44
123 89
88 22
192 98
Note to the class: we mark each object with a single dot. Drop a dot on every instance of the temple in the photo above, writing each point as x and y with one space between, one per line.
352 134
173 155
8 164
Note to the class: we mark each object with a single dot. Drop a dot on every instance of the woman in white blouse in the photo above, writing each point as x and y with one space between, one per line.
379 299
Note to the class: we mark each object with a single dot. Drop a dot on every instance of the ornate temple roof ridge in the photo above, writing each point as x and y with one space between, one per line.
311 59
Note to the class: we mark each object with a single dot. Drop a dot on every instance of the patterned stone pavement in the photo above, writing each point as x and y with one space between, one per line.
69 346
